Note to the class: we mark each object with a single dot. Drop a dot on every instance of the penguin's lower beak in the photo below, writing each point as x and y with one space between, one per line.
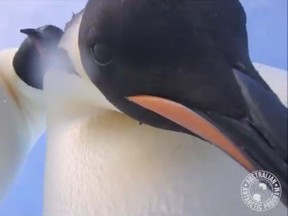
194 123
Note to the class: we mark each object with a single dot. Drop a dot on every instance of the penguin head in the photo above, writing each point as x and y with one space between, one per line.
158 47
31 60
136 47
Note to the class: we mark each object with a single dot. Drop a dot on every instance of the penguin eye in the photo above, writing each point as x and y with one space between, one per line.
102 54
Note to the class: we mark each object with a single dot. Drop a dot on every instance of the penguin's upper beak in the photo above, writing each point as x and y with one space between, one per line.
35 36
31 33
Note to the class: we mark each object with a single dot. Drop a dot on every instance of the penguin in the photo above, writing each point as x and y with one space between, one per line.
102 162
30 61
22 106
184 66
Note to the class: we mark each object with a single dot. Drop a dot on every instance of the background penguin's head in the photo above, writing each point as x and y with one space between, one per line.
32 58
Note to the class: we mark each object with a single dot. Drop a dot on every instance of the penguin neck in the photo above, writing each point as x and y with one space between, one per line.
27 65
101 158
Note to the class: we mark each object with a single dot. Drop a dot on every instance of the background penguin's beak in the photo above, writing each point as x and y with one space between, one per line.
35 36
31 33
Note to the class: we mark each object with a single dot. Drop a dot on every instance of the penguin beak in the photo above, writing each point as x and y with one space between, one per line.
193 122
35 36
32 33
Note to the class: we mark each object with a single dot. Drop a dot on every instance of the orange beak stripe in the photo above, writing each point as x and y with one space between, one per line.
193 122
